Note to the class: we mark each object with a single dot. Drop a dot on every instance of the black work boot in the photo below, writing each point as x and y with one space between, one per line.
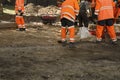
19 29
114 42
98 42
72 45
64 43
23 29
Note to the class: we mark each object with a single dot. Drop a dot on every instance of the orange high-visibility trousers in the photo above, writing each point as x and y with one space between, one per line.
111 32
110 29
99 31
63 33
71 33
20 21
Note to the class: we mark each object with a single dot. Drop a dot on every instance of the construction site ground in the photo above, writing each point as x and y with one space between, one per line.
36 55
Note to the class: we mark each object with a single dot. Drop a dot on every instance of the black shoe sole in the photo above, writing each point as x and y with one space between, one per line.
63 43
72 45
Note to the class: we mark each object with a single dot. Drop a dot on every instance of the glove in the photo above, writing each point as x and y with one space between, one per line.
96 14
19 13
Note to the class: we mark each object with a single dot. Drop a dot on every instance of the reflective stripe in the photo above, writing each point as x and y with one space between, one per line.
106 7
18 16
99 39
96 13
23 25
72 39
19 25
114 39
76 11
69 18
77 14
68 6
63 27
70 27
63 39
96 10
69 14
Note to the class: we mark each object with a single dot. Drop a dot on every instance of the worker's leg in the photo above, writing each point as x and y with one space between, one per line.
99 32
22 22
18 21
80 20
111 32
72 36
63 29
110 28
63 34
80 23
71 29
72 33
85 20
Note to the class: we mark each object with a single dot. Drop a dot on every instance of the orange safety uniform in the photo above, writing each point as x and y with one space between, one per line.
119 6
117 10
19 6
69 11
104 10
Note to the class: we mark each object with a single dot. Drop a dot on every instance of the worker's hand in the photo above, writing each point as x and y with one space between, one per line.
96 13
19 13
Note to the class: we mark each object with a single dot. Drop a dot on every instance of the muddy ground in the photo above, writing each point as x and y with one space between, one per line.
36 55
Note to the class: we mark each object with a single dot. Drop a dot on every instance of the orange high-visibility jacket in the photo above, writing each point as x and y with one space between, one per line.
118 14
104 9
69 9
19 5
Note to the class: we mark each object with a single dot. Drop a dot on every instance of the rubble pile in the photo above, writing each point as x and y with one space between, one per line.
32 10
49 10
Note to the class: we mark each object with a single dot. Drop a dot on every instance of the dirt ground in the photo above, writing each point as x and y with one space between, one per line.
36 55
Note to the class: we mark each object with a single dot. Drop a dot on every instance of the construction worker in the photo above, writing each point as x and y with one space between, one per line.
118 5
69 11
93 17
84 13
19 10
117 10
105 12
